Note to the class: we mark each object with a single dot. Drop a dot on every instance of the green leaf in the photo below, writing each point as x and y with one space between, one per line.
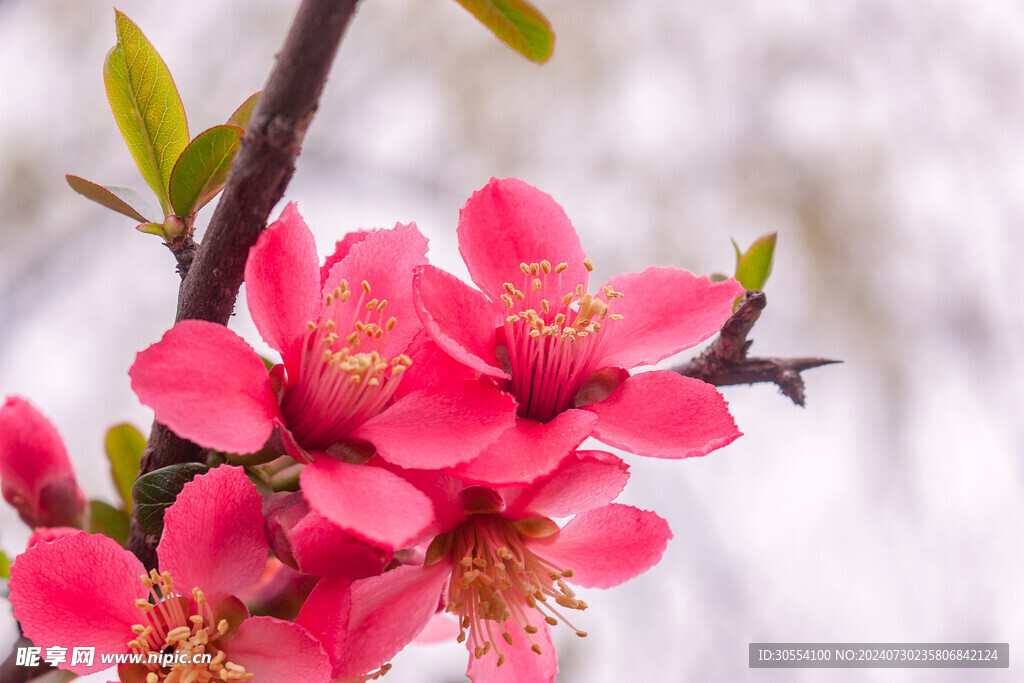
755 265
125 444
202 168
108 520
5 566
156 491
123 200
516 22
241 116
146 106
151 228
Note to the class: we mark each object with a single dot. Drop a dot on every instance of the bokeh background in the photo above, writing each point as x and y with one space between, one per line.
884 142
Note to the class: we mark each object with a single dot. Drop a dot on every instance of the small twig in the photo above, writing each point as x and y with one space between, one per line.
725 361
259 175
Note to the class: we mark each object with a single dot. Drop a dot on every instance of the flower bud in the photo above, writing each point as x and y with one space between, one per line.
35 474
305 541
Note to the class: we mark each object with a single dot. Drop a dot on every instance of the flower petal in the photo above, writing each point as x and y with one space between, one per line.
35 473
445 494
45 534
213 534
521 663
341 249
282 284
370 502
509 222
204 382
529 450
461 320
430 367
314 544
607 545
441 426
664 311
662 414
385 260
278 651
325 614
388 612
291 445
78 590
442 626
584 481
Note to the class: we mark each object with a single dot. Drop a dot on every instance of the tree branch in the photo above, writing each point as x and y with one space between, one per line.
11 671
725 361
257 181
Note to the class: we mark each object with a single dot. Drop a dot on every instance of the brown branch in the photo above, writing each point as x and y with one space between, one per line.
259 175
11 671
725 361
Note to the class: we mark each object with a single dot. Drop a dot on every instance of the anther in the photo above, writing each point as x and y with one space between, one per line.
178 633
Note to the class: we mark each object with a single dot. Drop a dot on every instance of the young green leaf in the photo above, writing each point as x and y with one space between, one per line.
151 228
5 566
146 106
156 491
755 265
516 22
241 116
108 520
202 168
123 200
124 450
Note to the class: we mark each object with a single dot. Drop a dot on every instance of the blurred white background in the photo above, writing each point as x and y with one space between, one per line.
884 141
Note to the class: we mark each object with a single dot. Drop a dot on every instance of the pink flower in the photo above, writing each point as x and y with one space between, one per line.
35 473
343 332
85 590
564 352
501 566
